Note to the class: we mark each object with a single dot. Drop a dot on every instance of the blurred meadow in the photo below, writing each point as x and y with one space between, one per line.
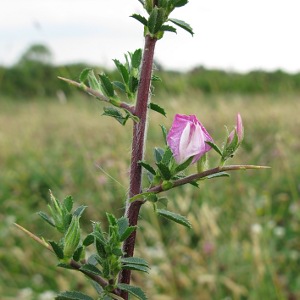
245 238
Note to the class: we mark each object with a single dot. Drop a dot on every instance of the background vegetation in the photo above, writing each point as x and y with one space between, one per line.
245 238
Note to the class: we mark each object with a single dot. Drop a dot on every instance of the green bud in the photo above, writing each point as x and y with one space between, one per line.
72 238
166 185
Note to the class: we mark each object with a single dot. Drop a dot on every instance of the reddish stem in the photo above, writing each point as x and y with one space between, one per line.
138 145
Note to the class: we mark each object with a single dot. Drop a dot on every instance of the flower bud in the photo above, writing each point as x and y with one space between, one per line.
72 238
187 137
238 130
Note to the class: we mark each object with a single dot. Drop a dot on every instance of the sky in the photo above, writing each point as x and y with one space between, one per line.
235 35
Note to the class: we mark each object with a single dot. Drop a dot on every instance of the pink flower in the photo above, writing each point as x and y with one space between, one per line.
187 138
239 129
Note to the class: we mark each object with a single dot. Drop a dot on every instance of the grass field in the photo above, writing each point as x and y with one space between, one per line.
245 239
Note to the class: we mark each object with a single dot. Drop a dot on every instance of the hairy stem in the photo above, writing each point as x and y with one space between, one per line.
138 145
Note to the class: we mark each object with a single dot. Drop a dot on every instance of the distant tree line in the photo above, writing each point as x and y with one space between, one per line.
34 75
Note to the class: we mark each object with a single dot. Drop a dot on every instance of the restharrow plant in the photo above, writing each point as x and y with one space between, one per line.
110 260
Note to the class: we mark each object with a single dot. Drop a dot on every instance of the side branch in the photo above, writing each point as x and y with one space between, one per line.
97 94
74 264
197 176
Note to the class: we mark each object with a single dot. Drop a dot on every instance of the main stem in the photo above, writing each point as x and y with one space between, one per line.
137 154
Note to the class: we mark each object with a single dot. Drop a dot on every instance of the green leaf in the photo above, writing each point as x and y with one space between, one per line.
157 108
100 247
120 85
65 266
122 70
158 154
115 113
91 269
88 240
164 132
133 84
174 217
77 253
79 210
194 183
163 202
93 81
135 261
179 3
117 252
140 18
184 165
183 25
73 296
156 20
167 156
168 28
215 147
57 249
133 290
84 75
164 171
68 203
123 224
46 218
127 233
112 220
135 267
147 167
107 86
136 58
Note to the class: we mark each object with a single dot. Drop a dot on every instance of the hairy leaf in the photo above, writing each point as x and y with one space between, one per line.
147 167
157 108
184 165
57 249
135 267
122 70
174 217
107 86
68 203
89 239
215 147
89 268
140 18
77 253
183 25
168 28
133 290
73 296
164 170
120 86
79 210
136 58
116 114
46 218
127 233
134 261
123 224
158 154
156 20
